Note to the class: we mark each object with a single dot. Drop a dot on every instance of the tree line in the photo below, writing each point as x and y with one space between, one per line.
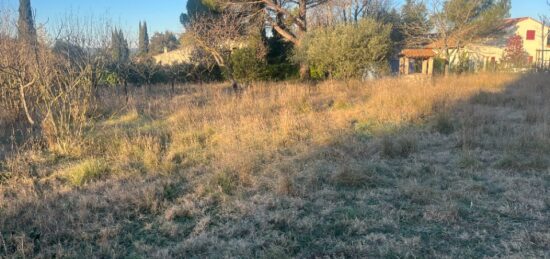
331 38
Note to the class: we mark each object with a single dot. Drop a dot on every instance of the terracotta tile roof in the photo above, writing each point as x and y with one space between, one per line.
509 22
515 20
417 53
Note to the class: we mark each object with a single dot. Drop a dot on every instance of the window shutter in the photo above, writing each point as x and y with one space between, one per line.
530 35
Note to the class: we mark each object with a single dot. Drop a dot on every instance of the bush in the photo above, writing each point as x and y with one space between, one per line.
282 71
439 65
280 65
247 65
252 64
347 50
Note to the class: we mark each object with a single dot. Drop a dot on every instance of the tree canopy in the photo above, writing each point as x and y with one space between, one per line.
198 8
459 22
415 23
161 40
347 50
469 20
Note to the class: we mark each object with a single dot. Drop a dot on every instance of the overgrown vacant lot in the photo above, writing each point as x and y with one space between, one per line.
455 167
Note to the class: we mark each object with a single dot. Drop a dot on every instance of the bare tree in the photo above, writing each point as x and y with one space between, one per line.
52 85
217 36
459 22
144 70
16 78
348 11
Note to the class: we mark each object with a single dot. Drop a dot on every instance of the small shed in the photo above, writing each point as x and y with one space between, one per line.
416 61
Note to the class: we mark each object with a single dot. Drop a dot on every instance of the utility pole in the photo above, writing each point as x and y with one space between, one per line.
542 45
544 39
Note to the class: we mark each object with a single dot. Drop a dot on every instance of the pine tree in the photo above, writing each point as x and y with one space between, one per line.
25 24
115 50
119 47
143 45
196 8
146 36
415 25
124 50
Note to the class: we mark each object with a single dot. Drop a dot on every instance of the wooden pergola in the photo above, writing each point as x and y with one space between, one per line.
424 55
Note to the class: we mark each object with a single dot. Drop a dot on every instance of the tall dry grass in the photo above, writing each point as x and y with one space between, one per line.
348 169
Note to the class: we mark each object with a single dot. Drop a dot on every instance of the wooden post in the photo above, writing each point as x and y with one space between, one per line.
430 66
407 65
424 67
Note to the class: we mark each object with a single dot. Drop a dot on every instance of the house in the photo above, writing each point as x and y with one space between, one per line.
182 55
536 41
487 53
185 54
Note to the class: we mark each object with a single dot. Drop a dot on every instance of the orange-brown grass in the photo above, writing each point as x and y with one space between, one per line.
455 166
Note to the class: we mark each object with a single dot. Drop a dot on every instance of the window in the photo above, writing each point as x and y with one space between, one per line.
530 35
548 38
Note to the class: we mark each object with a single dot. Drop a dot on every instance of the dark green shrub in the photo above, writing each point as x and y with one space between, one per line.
248 65
347 50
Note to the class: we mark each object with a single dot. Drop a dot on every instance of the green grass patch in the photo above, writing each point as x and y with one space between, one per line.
86 171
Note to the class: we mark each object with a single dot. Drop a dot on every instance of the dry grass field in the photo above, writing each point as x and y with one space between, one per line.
450 167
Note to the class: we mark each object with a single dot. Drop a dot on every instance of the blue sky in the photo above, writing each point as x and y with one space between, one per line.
164 14
160 15
531 8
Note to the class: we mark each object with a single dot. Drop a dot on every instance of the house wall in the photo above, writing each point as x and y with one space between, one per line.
175 56
493 49
531 46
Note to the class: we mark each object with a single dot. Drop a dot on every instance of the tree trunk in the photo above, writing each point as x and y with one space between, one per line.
304 71
126 90
302 13
447 61
235 85
172 86
95 87
24 102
